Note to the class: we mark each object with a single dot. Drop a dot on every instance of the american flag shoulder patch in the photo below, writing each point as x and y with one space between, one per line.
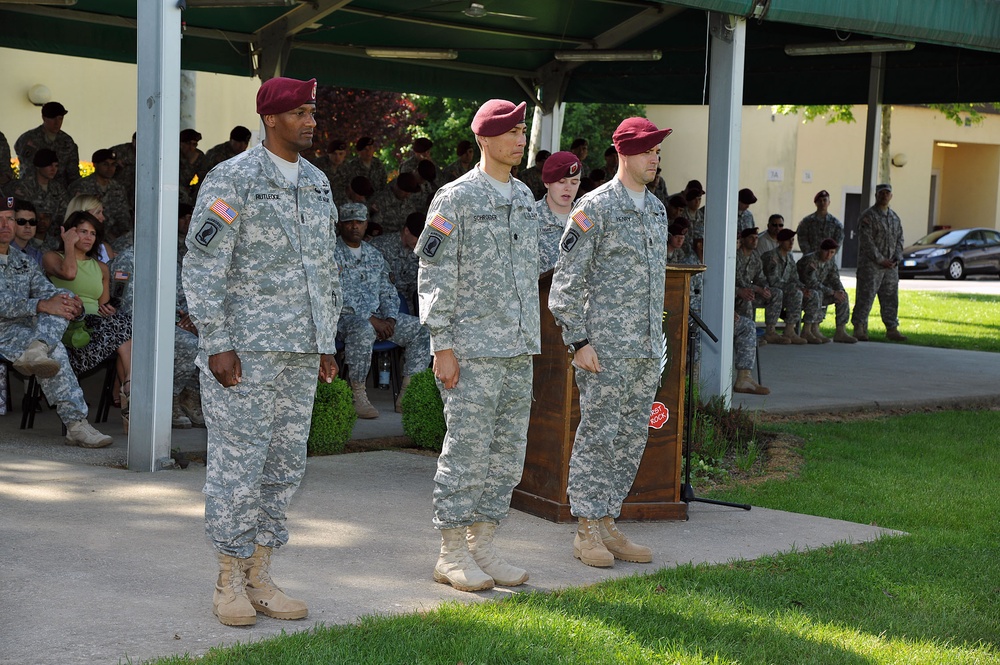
442 224
583 221
222 209
121 275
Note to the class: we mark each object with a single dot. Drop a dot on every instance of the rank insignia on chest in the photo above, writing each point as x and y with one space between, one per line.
442 224
223 210
583 221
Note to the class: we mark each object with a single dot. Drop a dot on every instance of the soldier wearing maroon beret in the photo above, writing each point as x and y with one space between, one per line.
478 289
561 176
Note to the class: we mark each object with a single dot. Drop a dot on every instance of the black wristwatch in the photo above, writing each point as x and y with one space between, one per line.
579 345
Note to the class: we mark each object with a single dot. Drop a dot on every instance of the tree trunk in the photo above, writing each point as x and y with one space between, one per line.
885 155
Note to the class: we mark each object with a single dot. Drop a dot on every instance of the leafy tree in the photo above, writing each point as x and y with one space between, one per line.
446 121
596 123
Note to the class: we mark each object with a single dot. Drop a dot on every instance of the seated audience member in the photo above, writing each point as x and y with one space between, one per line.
192 165
676 254
366 164
561 177
239 141
392 205
752 289
818 272
371 310
768 241
782 274
820 225
24 232
419 151
532 177
466 153
744 218
47 194
744 344
610 160
33 318
332 164
356 190
397 250
675 206
658 187
102 185
75 267
93 205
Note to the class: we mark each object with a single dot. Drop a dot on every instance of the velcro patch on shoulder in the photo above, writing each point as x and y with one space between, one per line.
569 239
209 234
581 220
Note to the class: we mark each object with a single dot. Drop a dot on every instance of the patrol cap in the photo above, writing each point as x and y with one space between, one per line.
102 155
45 157
749 232
362 185
829 243
635 136
746 196
53 110
884 186
352 212
336 144
423 144
820 194
785 234
281 94
497 116
463 147
190 135
563 164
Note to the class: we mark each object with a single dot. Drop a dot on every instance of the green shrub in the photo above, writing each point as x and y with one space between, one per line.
333 418
423 411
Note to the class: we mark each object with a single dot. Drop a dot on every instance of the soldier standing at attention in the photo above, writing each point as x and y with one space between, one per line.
478 289
263 291
607 296
880 249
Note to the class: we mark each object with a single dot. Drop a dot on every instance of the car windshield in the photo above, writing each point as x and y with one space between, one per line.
943 237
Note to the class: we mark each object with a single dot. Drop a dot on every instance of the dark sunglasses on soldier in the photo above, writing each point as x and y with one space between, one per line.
21 221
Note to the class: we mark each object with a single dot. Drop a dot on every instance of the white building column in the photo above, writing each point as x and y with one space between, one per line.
546 130
158 113
725 96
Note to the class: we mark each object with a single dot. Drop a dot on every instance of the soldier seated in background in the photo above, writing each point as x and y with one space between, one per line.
744 343
769 240
239 141
47 194
781 273
397 250
818 272
752 288
356 190
391 206
371 310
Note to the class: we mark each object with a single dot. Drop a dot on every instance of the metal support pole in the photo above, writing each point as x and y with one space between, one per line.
873 130
158 112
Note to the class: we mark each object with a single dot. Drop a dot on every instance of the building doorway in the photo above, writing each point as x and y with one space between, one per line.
852 211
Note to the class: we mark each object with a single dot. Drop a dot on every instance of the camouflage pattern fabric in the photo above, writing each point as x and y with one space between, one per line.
114 198
744 220
659 189
403 265
880 237
781 273
679 256
744 343
375 172
257 433
813 230
532 177
696 230
454 171
482 456
6 168
392 211
749 273
822 278
188 171
50 200
612 434
550 230
64 146
125 173
22 285
409 164
218 154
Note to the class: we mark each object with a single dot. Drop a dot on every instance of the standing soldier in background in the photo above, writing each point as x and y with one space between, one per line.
478 288
561 177
880 249
125 173
466 154
239 141
112 194
607 296
263 291
820 225
50 135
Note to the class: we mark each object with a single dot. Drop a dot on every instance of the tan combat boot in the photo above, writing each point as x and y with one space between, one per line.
792 336
820 336
362 406
861 332
190 402
81 433
893 335
177 418
620 546
745 384
807 334
842 336
771 337
455 565
264 594
402 391
230 602
589 547
35 360
480 539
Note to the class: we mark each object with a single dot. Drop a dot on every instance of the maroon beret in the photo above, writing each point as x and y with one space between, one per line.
676 229
637 135
281 94
560 165
7 203
496 117
829 243
785 234
820 194
746 196
749 232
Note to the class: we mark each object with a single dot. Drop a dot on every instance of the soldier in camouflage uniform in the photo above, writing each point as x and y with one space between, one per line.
694 213
391 206
820 225
419 151
125 173
744 218
371 310
114 198
47 194
781 275
366 164
33 317
478 288
752 289
332 164
561 176
262 289
818 272
397 250
880 249
607 296
50 135
744 356
532 176
466 161
239 141
6 169
192 164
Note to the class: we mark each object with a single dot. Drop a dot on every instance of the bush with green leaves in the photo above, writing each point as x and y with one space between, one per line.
333 418
423 411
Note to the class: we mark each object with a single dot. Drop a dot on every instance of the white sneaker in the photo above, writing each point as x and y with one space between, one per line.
35 360
81 433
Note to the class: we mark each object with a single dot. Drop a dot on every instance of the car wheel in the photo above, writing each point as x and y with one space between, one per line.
956 270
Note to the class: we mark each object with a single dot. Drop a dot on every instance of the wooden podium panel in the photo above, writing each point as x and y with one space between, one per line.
555 414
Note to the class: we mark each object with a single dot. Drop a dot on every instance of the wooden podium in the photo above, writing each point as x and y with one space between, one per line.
555 414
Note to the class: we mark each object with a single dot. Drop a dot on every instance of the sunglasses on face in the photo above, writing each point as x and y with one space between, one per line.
776 225
21 221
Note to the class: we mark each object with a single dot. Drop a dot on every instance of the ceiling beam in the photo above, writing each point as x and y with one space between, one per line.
359 52
295 21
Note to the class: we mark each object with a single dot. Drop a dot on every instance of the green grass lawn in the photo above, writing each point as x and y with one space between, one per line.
929 597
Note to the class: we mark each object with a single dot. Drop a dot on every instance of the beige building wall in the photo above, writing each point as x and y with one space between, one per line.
101 99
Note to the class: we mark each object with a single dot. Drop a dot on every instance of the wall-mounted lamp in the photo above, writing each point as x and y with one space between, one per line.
39 95
900 159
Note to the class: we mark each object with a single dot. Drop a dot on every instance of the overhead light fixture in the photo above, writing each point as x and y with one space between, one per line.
590 55
60 3
946 145
845 48
412 53
202 4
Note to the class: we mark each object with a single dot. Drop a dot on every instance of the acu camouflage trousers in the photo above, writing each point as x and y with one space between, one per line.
358 336
772 306
874 280
816 304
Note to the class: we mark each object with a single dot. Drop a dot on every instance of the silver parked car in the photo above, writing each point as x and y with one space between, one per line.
953 253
